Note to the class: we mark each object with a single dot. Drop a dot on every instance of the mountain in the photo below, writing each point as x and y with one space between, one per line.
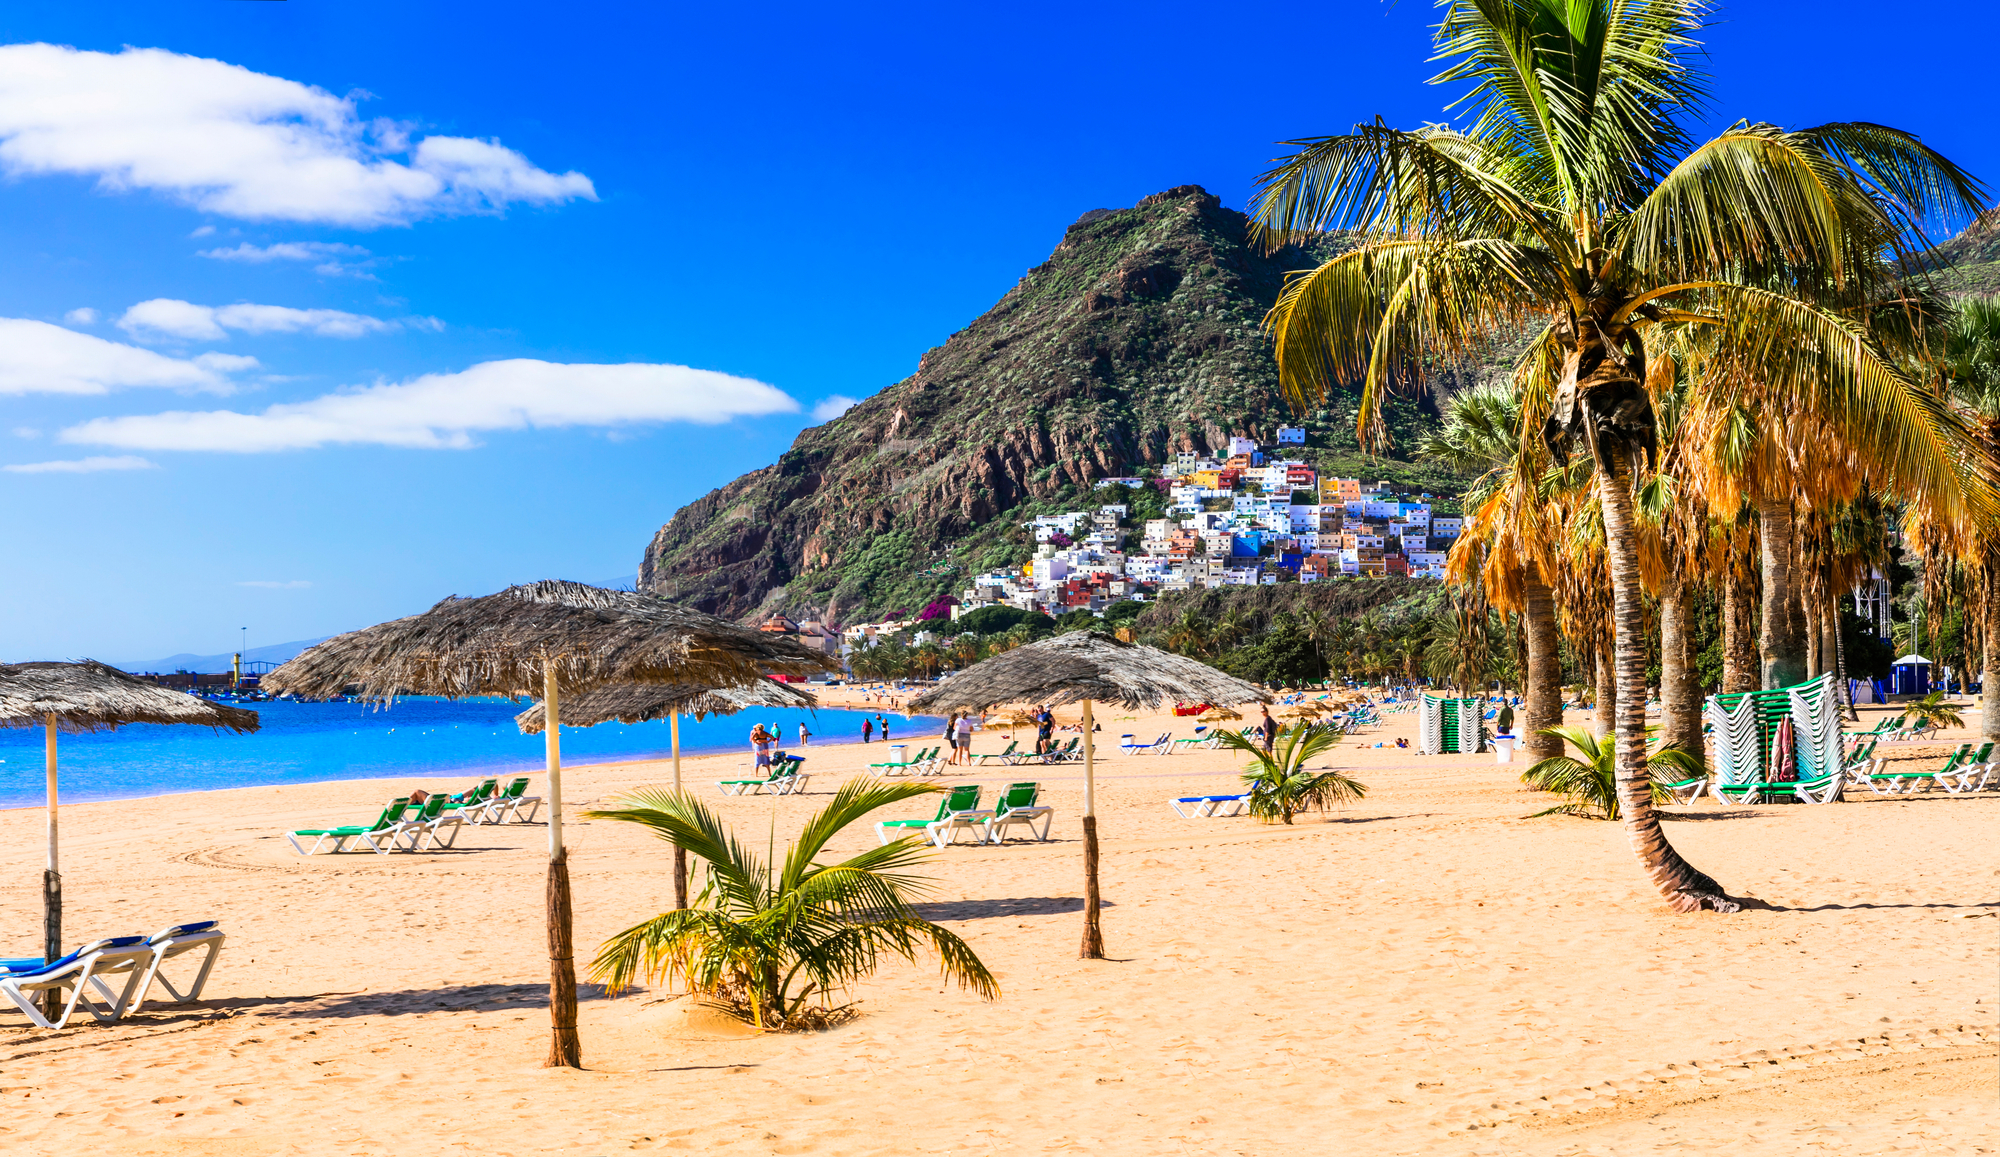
274 653
1137 338
1970 262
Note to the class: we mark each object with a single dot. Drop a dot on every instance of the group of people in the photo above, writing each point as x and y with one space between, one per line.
764 743
869 725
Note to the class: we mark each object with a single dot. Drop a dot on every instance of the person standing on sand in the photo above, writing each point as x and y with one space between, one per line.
761 742
961 751
803 733
882 721
1270 728
867 728
1045 730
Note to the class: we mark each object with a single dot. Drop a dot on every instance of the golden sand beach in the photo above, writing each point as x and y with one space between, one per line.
1424 972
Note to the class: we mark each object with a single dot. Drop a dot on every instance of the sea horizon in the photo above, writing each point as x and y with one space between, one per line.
417 736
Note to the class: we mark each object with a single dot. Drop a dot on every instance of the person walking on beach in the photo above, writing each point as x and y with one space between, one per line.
867 728
882 721
1270 728
961 751
951 743
803 734
1045 730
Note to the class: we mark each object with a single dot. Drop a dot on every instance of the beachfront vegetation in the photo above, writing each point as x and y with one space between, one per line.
1589 779
1721 353
779 942
1279 783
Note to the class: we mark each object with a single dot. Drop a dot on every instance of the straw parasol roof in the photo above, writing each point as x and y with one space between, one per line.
499 644
1084 665
91 696
645 702
1216 714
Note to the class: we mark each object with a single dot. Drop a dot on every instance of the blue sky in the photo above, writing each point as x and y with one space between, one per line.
422 231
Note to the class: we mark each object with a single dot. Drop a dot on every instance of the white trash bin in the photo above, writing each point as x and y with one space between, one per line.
1503 749
899 753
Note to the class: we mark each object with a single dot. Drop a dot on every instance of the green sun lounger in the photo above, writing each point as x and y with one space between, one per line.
1006 757
424 830
962 798
1907 782
1971 774
340 837
778 779
901 767
1017 805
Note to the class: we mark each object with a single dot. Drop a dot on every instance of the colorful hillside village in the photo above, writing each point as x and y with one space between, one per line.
1252 517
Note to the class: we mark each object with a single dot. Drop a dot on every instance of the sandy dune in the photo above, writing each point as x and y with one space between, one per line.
1424 972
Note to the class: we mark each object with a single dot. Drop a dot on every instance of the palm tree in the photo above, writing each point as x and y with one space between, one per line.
1190 633
1590 779
766 938
1280 786
1578 203
1481 433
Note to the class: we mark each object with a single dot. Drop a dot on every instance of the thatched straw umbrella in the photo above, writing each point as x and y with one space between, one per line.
90 696
648 702
561 638
1085 666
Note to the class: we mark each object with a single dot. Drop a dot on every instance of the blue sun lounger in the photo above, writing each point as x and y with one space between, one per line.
76 972
1210 806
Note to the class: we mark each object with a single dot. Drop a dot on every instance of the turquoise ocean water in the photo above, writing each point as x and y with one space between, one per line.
417 737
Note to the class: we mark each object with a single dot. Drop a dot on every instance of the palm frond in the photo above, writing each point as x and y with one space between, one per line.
1430 182
1585 95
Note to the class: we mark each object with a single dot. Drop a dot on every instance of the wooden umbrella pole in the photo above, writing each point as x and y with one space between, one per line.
565 1050
680 853
1093 936
52 937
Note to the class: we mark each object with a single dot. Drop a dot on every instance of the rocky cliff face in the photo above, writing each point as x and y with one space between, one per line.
1137 338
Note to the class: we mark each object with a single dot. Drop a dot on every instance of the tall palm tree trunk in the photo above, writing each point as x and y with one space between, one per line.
1680 694
1686 889
1543 708
1989 676
1840 688
1739 633
1604 716
1780 647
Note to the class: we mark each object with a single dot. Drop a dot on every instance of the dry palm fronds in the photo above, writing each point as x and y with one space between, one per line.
1085 665
501 644
91 696
645 702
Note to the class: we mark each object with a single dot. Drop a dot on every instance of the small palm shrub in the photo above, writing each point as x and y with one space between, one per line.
1280 786
765 939
1931 711
1590 778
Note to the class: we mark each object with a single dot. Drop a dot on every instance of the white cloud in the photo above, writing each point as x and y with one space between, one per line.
81 465
36 357
204 231
168 317
832 406
272 584
335 258
84 316
26 432
238 143
445 411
